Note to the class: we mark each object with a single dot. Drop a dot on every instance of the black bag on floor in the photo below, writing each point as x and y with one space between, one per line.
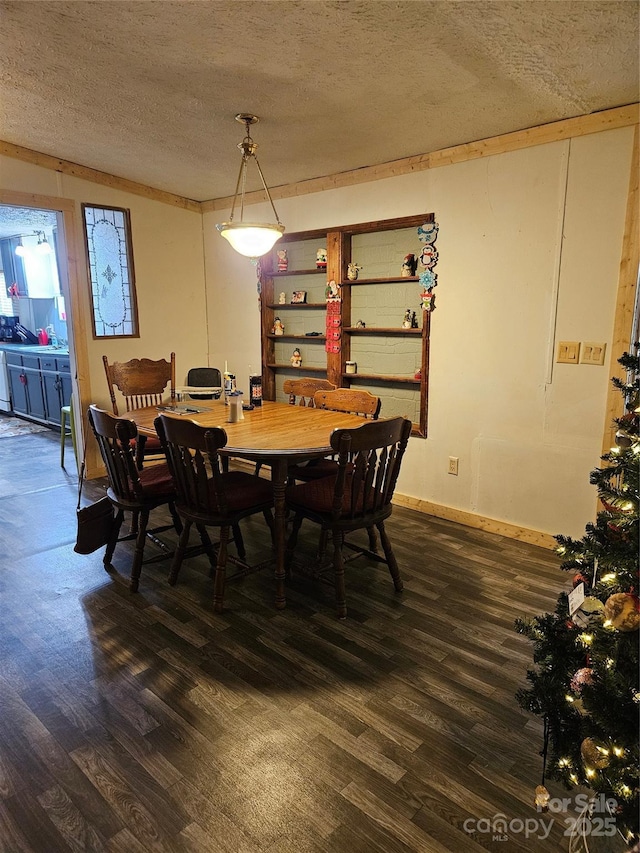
95 523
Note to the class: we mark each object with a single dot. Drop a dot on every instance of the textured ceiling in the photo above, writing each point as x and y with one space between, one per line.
148 90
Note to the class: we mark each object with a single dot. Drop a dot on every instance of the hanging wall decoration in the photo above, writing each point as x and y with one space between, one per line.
109 255
333 297
427 234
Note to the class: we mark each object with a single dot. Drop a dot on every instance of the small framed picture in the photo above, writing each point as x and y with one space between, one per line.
299 296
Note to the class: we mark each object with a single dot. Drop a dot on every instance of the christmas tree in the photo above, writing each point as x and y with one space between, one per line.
585 684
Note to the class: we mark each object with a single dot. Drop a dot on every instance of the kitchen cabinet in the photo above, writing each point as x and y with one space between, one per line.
26 385
56 385
39 385
12 265
392 361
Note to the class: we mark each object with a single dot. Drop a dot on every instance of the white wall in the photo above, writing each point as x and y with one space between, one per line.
169 271
529 247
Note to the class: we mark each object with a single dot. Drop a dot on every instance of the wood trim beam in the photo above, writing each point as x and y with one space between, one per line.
625 301
479 522
541 135
96 177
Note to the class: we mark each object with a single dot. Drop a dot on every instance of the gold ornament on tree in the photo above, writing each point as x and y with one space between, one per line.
594 754
621 610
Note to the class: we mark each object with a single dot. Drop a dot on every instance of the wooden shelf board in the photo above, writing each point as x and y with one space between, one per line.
379 330
298 337
314 271
392 279
280 305
376 377
304 369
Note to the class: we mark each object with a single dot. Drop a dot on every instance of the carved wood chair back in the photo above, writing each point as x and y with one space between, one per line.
141 381
301 390
358 402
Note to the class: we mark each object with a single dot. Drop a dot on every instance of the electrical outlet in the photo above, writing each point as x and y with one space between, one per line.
453 465
592 353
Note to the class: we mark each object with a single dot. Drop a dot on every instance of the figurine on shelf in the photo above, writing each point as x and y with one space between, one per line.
282 299
296 358
409 266
361 324
321 259
283 260
278 328
352 271
332 292
414 320
406 323
418 374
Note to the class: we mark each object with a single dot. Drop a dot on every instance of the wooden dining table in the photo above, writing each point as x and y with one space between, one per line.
274 434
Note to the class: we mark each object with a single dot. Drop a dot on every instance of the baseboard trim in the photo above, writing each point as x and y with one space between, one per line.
480 522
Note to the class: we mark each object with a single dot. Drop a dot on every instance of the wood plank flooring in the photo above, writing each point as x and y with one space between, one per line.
146 722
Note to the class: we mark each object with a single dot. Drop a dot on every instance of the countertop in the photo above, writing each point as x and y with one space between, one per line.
35 349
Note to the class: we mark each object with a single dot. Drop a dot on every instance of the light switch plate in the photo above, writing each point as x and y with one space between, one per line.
568 352
592 353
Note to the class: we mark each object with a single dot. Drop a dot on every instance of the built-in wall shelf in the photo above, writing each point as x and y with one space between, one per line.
313 271
278 306
379 330
309 338
304 369
386 280
379 377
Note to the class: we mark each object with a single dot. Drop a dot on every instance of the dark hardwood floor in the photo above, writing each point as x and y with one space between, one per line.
146 722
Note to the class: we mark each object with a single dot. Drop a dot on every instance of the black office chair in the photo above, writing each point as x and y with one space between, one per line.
207 377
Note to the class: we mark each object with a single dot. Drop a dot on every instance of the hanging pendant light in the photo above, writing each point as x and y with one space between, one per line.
251 239
43 247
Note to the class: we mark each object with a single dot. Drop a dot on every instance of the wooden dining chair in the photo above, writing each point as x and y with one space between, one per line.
358 497
352 400
141 382
209 496
131 490
301 390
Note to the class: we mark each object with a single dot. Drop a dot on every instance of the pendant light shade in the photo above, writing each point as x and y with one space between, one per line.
252 239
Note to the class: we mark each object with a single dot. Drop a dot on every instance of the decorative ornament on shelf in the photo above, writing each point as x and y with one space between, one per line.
406 322
283 260
296 358
321 259
278 327
282 299
409 266
360 324
352 271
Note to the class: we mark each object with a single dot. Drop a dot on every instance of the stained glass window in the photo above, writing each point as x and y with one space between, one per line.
110 259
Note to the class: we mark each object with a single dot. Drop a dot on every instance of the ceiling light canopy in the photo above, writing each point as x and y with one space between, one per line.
251 239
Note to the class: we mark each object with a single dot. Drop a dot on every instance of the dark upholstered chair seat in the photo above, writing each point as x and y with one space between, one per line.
156 481
242 491
318 496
